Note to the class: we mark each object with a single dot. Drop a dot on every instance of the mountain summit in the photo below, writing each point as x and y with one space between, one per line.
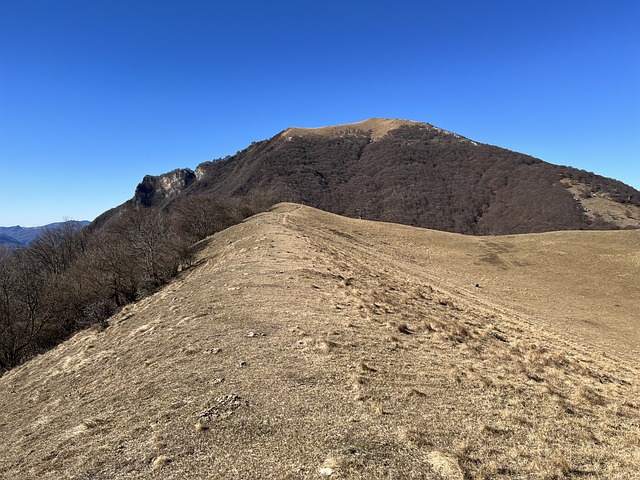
378 127
407 172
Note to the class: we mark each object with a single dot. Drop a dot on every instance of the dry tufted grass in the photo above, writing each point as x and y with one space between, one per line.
305 344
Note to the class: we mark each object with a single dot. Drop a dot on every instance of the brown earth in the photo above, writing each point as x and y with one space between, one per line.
307 345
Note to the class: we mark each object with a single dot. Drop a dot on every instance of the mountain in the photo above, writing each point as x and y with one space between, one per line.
406 172
9 241
24 235
307 345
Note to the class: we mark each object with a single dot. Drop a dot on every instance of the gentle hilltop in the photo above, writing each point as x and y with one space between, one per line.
308 345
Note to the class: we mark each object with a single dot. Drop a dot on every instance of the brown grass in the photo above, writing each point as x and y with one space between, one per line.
598 206
502 382
378 126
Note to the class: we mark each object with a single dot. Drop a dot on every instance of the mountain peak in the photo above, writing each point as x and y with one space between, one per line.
407 172
379 127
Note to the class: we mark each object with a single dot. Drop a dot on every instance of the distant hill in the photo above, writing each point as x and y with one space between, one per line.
406 172
7 240
18 235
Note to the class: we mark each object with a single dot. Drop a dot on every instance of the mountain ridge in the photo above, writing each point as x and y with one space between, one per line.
19 235
304 344
405 172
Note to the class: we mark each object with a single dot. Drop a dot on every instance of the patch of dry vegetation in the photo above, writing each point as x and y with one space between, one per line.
378 127
293 351
601 208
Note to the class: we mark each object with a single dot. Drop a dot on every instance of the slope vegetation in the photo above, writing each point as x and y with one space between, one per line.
307 345
406 172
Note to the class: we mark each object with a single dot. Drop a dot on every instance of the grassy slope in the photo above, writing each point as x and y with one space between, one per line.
380 359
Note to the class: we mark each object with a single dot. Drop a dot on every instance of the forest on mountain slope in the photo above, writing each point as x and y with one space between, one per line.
417 175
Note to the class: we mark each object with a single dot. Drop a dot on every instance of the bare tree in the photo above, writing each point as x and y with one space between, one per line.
24 310
69 278
57 247
149 236
199 216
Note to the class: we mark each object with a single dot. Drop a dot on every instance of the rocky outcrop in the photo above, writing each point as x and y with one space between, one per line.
156 189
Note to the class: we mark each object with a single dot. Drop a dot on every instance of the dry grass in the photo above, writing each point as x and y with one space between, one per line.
378 126
599 206
418 374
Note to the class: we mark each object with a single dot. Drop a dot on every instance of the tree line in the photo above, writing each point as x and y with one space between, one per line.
71 278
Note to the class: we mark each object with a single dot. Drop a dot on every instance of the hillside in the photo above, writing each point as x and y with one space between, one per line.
406 172
307 345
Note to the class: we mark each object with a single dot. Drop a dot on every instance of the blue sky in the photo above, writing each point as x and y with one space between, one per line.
96 94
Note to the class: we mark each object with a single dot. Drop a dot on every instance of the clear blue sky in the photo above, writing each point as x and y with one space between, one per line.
94 94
